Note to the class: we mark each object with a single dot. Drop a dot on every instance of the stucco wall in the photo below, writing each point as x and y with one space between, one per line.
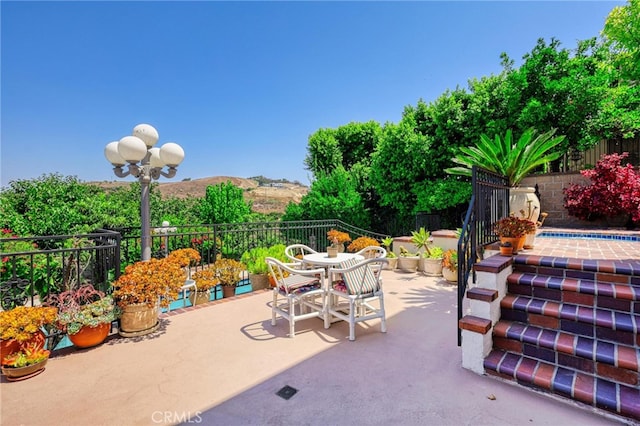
550 187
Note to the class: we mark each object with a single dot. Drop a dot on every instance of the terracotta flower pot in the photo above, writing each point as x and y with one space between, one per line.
87 336
7 347
516 243
228 290
22 373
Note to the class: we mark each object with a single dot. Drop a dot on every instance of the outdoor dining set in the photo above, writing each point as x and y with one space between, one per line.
347 287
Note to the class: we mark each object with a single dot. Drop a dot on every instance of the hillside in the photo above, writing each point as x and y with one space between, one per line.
266 199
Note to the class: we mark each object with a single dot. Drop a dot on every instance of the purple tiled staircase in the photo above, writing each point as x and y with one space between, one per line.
571 327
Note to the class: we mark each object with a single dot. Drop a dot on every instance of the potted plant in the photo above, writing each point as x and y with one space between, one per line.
450 265
506 248
205 280
254 259
408 261
22 325
27 362
513 229
338 239
144 287
391 256
432 262
432 257
228 273
85 314
362 243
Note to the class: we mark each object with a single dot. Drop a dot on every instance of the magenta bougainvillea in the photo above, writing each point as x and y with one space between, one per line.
614 190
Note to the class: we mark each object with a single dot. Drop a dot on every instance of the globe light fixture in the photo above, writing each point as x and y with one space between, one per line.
136 155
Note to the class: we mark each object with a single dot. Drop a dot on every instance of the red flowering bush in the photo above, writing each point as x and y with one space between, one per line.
614 190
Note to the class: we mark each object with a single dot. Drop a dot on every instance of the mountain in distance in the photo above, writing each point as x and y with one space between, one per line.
267 195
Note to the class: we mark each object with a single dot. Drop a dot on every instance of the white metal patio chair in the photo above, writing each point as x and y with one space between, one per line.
296 294
296 252
372 252
355 293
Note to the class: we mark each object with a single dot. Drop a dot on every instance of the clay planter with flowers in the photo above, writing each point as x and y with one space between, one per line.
205 281
21 327
228 272
337 240
146 286
514 230
29 361
85 314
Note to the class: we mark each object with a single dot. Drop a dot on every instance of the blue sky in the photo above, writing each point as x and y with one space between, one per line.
242 85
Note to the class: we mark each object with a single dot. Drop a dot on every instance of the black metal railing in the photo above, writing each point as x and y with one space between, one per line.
489 202
34 267
231 240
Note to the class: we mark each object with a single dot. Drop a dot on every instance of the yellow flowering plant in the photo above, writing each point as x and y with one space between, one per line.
362 242
150 281
228 271
22 322
185 257
338 237
205 279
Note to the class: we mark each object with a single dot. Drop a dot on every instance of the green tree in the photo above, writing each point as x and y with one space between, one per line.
333 196
48 205
398 163
324 154
622 33
224 203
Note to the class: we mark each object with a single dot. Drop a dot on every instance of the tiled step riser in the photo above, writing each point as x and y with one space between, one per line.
575 327
601 393
621 375
601 301
606 277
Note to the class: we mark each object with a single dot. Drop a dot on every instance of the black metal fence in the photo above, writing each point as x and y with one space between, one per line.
489 202
34 267
231 240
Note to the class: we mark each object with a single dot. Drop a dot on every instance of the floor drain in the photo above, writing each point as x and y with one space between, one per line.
286 392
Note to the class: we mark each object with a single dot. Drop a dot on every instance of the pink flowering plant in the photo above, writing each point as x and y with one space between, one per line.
614 190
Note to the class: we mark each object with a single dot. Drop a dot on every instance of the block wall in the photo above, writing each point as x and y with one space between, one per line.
550 187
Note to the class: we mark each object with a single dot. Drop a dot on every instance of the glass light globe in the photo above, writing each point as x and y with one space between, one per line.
111 152
172 154
155 159
147 134
132 149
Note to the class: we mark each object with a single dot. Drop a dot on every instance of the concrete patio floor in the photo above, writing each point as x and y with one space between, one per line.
222 364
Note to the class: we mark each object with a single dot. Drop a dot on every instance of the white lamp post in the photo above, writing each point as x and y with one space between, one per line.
145 163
